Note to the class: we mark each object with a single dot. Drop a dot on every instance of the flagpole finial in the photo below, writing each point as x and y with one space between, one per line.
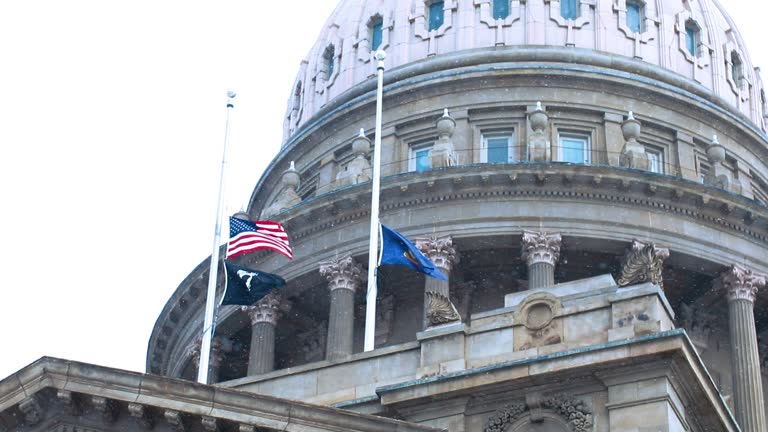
381 55
230 95
362 133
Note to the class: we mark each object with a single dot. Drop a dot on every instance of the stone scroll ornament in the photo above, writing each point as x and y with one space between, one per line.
440 310
643 262
572 410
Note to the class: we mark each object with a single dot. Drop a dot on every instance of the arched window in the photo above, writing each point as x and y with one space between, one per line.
500 9
692 37
376 29
737 69
297 96
329 60
569 9
635 16
435 14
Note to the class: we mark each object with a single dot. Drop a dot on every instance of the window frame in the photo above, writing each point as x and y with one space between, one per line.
692 37
578 135
415 148
510 137
659 151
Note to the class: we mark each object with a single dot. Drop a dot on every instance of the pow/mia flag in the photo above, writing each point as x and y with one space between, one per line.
246 286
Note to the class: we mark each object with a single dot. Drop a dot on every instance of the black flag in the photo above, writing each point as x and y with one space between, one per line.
246 286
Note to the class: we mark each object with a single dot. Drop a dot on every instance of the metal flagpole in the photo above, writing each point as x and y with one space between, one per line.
210 299
370 307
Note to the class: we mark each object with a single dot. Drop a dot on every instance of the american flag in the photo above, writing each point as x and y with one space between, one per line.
246 236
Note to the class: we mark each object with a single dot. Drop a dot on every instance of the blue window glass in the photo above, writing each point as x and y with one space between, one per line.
634 16
330 61
736 68
500 9
690 38
435 15
574 149
498 149
376 35
422 157
569 9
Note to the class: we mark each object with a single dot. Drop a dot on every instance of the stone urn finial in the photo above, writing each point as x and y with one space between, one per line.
361 144
715 151
445 125
538 118
631 128
291 176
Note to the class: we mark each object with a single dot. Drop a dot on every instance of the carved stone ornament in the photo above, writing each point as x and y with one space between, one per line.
541 247
443 153
176 420
210 424
269 309
106 407
643 262
537 314
70 401
539 147
440 251
358 170
343 273
287 197
219 347
575 412
142 415
633 154
741 283
246 428
440 310
33 413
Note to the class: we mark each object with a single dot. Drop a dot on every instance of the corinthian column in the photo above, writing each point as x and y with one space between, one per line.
442 253
741 286
540 252
343 279
264 315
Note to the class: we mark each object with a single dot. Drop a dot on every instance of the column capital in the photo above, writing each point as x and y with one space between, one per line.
643 262
342 273
269 309
440 251
740 283
541 247
219 346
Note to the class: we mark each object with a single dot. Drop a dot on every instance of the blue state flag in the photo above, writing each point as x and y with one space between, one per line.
398 250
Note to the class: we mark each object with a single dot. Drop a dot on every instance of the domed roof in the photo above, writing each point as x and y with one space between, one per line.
693 38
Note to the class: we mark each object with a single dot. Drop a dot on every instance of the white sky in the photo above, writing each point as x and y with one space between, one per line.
111 130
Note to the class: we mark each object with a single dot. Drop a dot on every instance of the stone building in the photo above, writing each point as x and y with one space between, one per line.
592 176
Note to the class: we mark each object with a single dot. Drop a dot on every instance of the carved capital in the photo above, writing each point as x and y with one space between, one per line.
440 251
33 413
343 273
541 247
142 415
219 347
269 309
740 283
643 262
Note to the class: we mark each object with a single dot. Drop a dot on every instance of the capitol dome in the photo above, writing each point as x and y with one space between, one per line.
696 40
590 175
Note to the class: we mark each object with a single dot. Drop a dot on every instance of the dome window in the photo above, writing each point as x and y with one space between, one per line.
692 37
737 69
569 9
635 16
436 14
329 61
376 29
500 9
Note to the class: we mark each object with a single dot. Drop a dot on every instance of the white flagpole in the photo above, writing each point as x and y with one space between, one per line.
370 309
210 299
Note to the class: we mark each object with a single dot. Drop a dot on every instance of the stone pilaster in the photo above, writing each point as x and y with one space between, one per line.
442 253
643 262
264 316
540 252
344 277
740 286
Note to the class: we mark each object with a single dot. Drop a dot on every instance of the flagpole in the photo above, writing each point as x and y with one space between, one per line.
370 307
210 299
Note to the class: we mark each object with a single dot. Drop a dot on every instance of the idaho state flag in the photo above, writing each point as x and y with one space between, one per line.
398 250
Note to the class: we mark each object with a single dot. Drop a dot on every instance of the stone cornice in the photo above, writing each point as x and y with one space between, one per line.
150 397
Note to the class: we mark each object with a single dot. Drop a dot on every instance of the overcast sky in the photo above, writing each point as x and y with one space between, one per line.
111 129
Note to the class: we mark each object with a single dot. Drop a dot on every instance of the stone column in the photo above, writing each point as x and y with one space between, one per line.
540 252
344 277
741 286
442 253
264 315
